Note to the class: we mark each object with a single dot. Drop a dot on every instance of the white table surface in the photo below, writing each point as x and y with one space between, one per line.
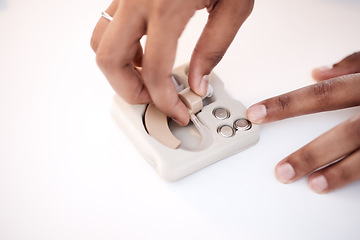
68 172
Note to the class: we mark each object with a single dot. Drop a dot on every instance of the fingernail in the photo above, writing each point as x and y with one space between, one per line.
178 122
204 84
318 184
257 113
284 172
318 73
322 73
322 69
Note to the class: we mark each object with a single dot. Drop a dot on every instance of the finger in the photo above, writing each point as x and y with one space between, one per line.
337 175
117 49
342 140
349 65
224 21
137 61
102 25
327 95
158 61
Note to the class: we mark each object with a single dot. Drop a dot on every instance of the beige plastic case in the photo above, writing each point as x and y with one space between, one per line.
192 155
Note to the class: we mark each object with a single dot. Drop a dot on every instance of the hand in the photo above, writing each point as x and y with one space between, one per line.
144 77
342 142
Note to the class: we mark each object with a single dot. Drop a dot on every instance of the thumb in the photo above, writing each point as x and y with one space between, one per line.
349 65
224 21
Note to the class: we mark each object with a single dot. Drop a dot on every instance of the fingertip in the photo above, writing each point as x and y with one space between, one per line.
198 82
321 73
204 85
181 123
318 183
284 172
257 113
181 114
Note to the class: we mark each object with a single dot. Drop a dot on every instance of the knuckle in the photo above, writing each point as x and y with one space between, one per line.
97 34
212 58
102 59
338 175
308 160
303 161
322 91
283 102
353 58
215 57
94 43
307 157
108 62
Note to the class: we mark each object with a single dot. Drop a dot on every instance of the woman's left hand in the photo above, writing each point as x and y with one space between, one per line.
338 87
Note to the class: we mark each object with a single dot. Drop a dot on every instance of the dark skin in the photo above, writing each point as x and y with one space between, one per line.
142 77
338 87
146 77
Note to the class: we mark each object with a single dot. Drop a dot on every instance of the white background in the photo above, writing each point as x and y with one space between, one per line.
68 172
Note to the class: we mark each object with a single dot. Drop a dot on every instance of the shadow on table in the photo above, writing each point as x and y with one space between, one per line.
3 5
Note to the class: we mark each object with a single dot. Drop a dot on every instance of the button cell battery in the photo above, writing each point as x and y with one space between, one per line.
226 131
242 124
221 113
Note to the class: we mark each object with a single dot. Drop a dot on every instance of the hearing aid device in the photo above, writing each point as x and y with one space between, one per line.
218 128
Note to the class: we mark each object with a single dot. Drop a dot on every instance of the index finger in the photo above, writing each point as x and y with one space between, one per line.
327 95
